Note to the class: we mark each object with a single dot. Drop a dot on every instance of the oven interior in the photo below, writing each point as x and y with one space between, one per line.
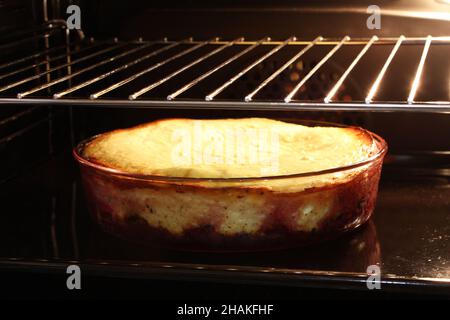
135 62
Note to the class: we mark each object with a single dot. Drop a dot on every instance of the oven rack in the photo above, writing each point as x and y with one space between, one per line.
109 67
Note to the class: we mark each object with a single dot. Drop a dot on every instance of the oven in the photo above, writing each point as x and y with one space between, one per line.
384 68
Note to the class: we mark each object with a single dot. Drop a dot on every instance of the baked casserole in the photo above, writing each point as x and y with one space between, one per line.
231 184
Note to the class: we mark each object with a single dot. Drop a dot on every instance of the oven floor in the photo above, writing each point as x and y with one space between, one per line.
45 226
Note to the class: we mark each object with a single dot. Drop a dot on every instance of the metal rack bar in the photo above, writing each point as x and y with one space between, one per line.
42 28
387 106
184 68
250 96
325 41
376 84
58 57
37 76
316 67
111 72
18 115
17 74
33 56
149 69
91 67
46 34
341 80
211 96
333 41
22 131
211 71
7 34
416 82
45 9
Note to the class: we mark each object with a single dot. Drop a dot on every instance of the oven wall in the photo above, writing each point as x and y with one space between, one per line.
256 19
18 13
28 134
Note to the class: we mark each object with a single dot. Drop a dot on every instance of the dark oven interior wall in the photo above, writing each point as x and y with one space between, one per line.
28 134
15 14
252 19
15 150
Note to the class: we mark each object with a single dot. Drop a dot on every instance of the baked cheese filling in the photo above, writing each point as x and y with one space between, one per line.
229 148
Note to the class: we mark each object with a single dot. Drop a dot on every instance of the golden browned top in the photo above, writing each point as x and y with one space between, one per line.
228 148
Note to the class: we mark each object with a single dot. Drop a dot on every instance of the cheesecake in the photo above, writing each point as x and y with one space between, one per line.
231 184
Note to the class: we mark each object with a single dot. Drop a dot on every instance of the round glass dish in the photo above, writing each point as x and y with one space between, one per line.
233 214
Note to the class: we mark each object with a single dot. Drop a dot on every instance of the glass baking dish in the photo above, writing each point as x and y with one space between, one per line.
233 214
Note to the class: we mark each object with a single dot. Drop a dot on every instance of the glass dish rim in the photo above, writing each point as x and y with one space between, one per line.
382 150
